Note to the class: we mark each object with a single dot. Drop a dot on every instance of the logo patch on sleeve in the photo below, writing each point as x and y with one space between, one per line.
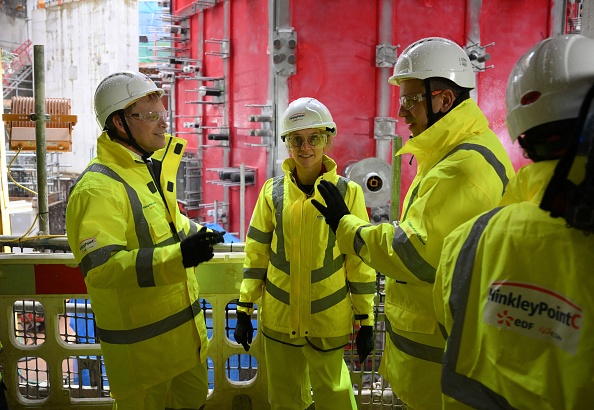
87 245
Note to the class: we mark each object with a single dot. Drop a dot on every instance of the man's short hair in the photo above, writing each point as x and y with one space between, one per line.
440 83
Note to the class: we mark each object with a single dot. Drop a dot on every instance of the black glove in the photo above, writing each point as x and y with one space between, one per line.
365 342
244 331
335 206
197 248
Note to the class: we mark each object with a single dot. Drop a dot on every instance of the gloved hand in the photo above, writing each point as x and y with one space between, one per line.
335 207
244 330
365 342
197 248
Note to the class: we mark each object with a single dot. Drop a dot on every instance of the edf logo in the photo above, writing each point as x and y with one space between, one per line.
505 318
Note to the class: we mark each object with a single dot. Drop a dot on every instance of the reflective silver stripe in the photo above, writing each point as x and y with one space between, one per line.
193 229
327 302
411 200
458 386
259 236
411 258
144 267
278 257
358 242
280 262
412 348
330 265
139 334
254 273
97 258
362 288
140 223
169 241
342 185
487 155
277 293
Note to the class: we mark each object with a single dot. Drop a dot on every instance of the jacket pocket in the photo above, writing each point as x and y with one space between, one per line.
160 231
409 320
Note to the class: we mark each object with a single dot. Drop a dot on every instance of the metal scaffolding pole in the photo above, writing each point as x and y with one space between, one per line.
40 120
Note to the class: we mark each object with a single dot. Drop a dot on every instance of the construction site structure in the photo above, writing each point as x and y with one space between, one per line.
229 69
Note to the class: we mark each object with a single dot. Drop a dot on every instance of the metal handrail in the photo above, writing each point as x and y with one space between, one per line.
60 243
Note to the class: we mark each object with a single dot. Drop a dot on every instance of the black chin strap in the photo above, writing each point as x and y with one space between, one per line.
433 117
130 141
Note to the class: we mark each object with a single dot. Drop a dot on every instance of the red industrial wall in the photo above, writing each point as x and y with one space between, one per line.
336 42
336 65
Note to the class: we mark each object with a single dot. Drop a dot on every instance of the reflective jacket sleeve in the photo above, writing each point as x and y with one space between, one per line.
109 252
444 274
361 277
410 250
257 250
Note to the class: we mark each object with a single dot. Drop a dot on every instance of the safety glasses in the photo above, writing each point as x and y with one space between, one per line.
313 140
409 101
151 116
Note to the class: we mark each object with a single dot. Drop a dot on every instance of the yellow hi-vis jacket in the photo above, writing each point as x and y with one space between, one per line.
513 292
124 235
462 171
309 289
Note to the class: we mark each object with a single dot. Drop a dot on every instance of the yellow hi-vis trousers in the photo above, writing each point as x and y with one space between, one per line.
293 371
185 391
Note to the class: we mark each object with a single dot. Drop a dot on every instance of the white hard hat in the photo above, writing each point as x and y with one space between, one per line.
549 82
306 112
119 90
434 57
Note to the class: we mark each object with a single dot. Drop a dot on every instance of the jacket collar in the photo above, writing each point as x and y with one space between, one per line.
109 151
329 165
436 141
530 182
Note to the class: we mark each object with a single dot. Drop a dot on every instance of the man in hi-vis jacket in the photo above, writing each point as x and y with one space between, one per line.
462 170
138 253
514 289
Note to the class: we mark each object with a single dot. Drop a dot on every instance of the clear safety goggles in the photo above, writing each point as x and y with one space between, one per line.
409 101
318 139
151 116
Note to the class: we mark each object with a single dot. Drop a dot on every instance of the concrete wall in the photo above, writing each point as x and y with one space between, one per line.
12 38
84 41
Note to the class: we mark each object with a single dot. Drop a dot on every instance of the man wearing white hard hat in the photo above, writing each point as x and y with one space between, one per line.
138 253
514 286
462 170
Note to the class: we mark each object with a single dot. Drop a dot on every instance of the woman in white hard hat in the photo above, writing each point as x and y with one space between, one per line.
138 253
312 295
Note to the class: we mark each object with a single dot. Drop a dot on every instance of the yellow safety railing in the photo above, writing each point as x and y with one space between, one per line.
51 358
